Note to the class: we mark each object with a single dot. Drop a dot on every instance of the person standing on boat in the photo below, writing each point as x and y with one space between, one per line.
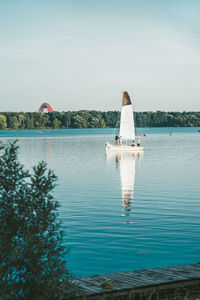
117 140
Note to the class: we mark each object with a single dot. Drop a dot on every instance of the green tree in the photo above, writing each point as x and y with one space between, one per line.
13 122
103 124
56 123
29 122
3 122
78 121
32 256
66 119
21 119
94 122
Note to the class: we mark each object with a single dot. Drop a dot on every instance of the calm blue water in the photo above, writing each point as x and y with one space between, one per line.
122 212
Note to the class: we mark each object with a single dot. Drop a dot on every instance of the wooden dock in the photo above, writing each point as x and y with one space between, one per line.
178 282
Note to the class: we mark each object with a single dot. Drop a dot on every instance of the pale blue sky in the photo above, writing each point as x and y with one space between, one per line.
81 54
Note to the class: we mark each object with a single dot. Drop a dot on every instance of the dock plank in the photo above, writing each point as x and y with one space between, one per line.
133 280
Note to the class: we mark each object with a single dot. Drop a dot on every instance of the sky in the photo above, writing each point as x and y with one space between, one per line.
82 54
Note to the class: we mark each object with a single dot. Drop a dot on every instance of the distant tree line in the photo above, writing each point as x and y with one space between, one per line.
95 119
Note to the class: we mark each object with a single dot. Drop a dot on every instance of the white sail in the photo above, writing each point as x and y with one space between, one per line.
127 128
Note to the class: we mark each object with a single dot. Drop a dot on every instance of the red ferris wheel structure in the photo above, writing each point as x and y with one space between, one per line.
44 106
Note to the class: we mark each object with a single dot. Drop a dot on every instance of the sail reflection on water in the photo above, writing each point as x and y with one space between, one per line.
127 178
126 162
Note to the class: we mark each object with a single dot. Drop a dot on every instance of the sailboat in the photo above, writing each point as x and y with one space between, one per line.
126 141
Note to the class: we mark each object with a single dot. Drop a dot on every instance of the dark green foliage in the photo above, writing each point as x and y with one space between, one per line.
32 264
95 119
3 123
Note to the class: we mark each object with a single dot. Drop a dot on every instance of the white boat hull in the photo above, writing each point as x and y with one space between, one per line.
110 147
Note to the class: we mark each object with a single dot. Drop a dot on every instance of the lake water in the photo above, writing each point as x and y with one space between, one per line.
122 212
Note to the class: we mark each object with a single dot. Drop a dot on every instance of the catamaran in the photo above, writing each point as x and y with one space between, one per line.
126 139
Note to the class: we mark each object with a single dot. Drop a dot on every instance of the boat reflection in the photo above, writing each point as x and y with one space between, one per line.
126 162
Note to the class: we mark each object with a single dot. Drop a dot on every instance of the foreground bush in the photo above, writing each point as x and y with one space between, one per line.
32 264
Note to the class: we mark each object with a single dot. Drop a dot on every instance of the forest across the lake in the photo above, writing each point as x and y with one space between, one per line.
95 119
